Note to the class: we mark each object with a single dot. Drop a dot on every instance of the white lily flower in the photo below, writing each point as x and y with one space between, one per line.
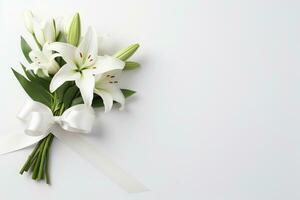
107 84
82 64
44 60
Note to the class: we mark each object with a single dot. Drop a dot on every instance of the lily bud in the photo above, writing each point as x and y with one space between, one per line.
28 18
126 53
131 65
73 34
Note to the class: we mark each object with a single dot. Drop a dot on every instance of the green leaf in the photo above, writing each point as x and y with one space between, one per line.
74 30
26 49
131 65
127 93
97 102
126 53
60 92
36 92
69 95
77 100
35 79
29 73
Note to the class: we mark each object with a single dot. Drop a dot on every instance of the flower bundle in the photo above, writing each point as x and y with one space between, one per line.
65 74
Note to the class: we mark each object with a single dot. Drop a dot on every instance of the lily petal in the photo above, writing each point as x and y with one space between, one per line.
51 67
67 51
112 76
46 51
107 99
87 51
66 73
37 56
86 84
108 63
116 93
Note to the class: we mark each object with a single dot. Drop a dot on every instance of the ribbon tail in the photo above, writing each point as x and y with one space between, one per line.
99 160
17 141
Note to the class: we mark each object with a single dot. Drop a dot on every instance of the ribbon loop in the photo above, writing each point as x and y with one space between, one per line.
38 124
39 119
78 119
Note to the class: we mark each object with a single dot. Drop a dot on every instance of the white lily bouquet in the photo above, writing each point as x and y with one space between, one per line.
66 79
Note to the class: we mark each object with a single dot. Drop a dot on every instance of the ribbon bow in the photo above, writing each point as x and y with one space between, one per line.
39 119
40 122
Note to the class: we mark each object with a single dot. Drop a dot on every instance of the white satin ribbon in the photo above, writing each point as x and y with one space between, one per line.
68 128
39 119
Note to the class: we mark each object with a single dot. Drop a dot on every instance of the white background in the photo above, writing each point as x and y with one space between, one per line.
216 115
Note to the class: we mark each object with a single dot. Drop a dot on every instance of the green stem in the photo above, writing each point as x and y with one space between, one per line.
42 162
38 161
33 160
43 158
47 160
30 158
